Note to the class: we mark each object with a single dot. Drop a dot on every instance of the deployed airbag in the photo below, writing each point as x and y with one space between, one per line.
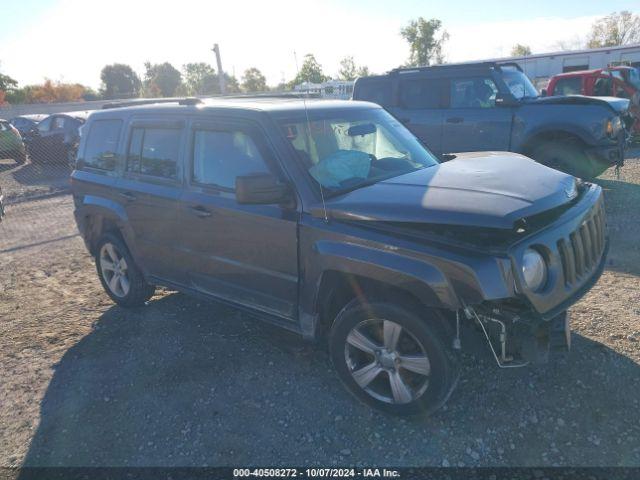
340 166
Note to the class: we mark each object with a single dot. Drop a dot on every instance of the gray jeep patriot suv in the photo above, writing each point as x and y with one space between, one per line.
330 219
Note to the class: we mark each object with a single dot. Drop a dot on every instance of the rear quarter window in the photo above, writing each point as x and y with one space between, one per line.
376 91
102 144
422 94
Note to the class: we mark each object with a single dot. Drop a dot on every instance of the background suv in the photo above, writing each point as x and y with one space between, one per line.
486 106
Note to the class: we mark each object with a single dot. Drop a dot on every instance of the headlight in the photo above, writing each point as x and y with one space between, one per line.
534 269
614 126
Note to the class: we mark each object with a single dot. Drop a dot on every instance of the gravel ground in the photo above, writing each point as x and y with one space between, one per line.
184 382
30 180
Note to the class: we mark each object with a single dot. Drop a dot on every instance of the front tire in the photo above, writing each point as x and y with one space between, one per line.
569 157
392 359
121 278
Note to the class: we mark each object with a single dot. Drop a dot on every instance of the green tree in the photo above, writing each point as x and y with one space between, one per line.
519 50
7 83
200 79
621 28
90 94
119 81
233 86
363 71
311 71
253 80
348 69
425 46
161 79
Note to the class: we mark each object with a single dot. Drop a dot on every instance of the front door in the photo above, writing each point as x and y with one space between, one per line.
473 121
246 254
150 191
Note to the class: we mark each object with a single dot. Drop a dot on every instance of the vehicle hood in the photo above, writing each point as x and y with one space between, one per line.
618 105
484 189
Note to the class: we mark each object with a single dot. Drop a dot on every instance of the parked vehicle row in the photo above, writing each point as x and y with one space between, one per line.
330 219
487 106
43 138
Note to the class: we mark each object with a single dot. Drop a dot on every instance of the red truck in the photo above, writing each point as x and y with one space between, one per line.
619 81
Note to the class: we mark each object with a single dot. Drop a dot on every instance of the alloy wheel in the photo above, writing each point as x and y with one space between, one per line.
387 361
114 270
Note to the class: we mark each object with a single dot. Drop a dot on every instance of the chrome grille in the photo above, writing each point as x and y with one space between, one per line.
581 252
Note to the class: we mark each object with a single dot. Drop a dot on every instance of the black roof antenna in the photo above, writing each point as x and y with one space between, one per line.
306 113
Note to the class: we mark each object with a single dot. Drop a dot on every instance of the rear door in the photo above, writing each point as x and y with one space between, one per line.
473 121
150 190
246 254
421 102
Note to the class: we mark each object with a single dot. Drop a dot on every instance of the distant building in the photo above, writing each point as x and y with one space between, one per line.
337 89
540 67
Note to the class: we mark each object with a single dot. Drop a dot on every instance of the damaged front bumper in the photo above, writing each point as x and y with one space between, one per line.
519 340
526 328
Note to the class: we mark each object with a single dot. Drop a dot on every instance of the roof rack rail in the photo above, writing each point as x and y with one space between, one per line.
447 66
150 101
276 95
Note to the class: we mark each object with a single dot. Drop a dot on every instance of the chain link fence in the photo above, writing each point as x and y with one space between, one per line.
34 183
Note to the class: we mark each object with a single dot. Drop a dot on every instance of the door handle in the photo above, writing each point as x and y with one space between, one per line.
455 120
130 197
200 211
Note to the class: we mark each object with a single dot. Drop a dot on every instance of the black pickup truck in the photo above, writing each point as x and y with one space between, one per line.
489 106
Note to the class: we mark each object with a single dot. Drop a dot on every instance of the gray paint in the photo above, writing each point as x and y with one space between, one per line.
273 260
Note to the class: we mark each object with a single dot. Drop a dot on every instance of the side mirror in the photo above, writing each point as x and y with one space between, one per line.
543 92
261 189
506 100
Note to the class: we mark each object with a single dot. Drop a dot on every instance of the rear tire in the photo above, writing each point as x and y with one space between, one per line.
392 359
568 156
121 278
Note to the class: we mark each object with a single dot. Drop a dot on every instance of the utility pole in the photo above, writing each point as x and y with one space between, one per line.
223 88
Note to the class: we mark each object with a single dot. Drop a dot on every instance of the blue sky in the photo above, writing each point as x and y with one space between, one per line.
84 35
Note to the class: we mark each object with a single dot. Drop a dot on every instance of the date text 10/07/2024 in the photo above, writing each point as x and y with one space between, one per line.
316 473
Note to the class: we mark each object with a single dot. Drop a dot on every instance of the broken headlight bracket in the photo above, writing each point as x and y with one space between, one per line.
503 361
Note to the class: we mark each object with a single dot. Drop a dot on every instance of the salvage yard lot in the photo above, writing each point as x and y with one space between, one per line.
186 382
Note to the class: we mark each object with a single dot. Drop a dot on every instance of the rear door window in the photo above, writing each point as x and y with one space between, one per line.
102 144
154 152
473 93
